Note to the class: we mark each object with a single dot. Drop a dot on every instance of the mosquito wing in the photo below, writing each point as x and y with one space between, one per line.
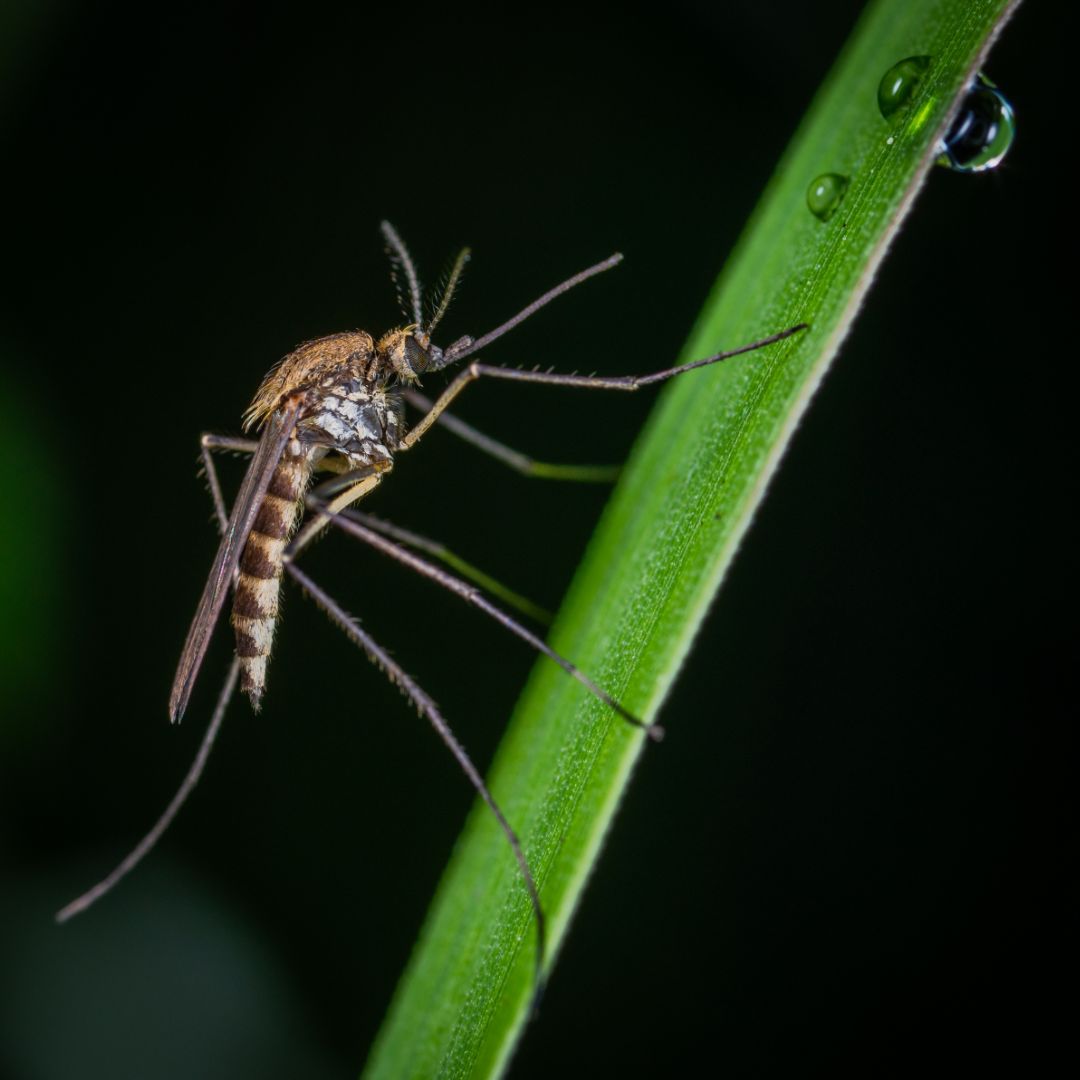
275 436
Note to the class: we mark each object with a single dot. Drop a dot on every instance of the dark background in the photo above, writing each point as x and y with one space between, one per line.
857 858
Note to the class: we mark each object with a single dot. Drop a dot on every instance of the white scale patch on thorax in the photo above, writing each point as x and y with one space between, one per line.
355 421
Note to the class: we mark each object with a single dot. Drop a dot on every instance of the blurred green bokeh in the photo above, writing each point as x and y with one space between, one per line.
32 571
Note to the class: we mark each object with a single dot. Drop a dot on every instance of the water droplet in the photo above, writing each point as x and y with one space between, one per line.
825 193
982 132
899 82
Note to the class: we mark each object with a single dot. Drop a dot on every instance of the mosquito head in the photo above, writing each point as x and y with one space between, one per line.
409 353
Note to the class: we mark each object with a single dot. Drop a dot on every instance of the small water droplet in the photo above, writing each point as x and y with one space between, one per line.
825 193
899 82
982 132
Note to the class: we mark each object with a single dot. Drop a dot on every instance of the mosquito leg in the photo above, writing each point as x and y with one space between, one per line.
151 838
584 382
81 903
350 487
229 443
455 562
427 707
471 595
519 462
206 445
209 441
424 704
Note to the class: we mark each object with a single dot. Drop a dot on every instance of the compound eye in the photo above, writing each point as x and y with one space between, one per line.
416 355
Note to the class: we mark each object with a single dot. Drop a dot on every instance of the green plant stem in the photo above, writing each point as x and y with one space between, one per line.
669 533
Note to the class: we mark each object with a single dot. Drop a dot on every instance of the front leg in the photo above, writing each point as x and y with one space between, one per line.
582 382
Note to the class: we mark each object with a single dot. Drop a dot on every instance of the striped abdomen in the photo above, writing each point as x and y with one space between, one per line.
255 606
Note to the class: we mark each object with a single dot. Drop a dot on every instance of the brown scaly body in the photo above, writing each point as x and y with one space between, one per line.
255 605
352 411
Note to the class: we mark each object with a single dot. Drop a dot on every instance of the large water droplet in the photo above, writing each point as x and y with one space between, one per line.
825 194
982 132
899 82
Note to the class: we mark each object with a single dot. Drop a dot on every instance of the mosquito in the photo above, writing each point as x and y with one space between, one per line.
336 406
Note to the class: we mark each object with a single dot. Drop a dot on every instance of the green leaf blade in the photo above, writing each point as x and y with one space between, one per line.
683 505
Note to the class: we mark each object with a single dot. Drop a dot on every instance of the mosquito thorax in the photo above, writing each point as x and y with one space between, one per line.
319 363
